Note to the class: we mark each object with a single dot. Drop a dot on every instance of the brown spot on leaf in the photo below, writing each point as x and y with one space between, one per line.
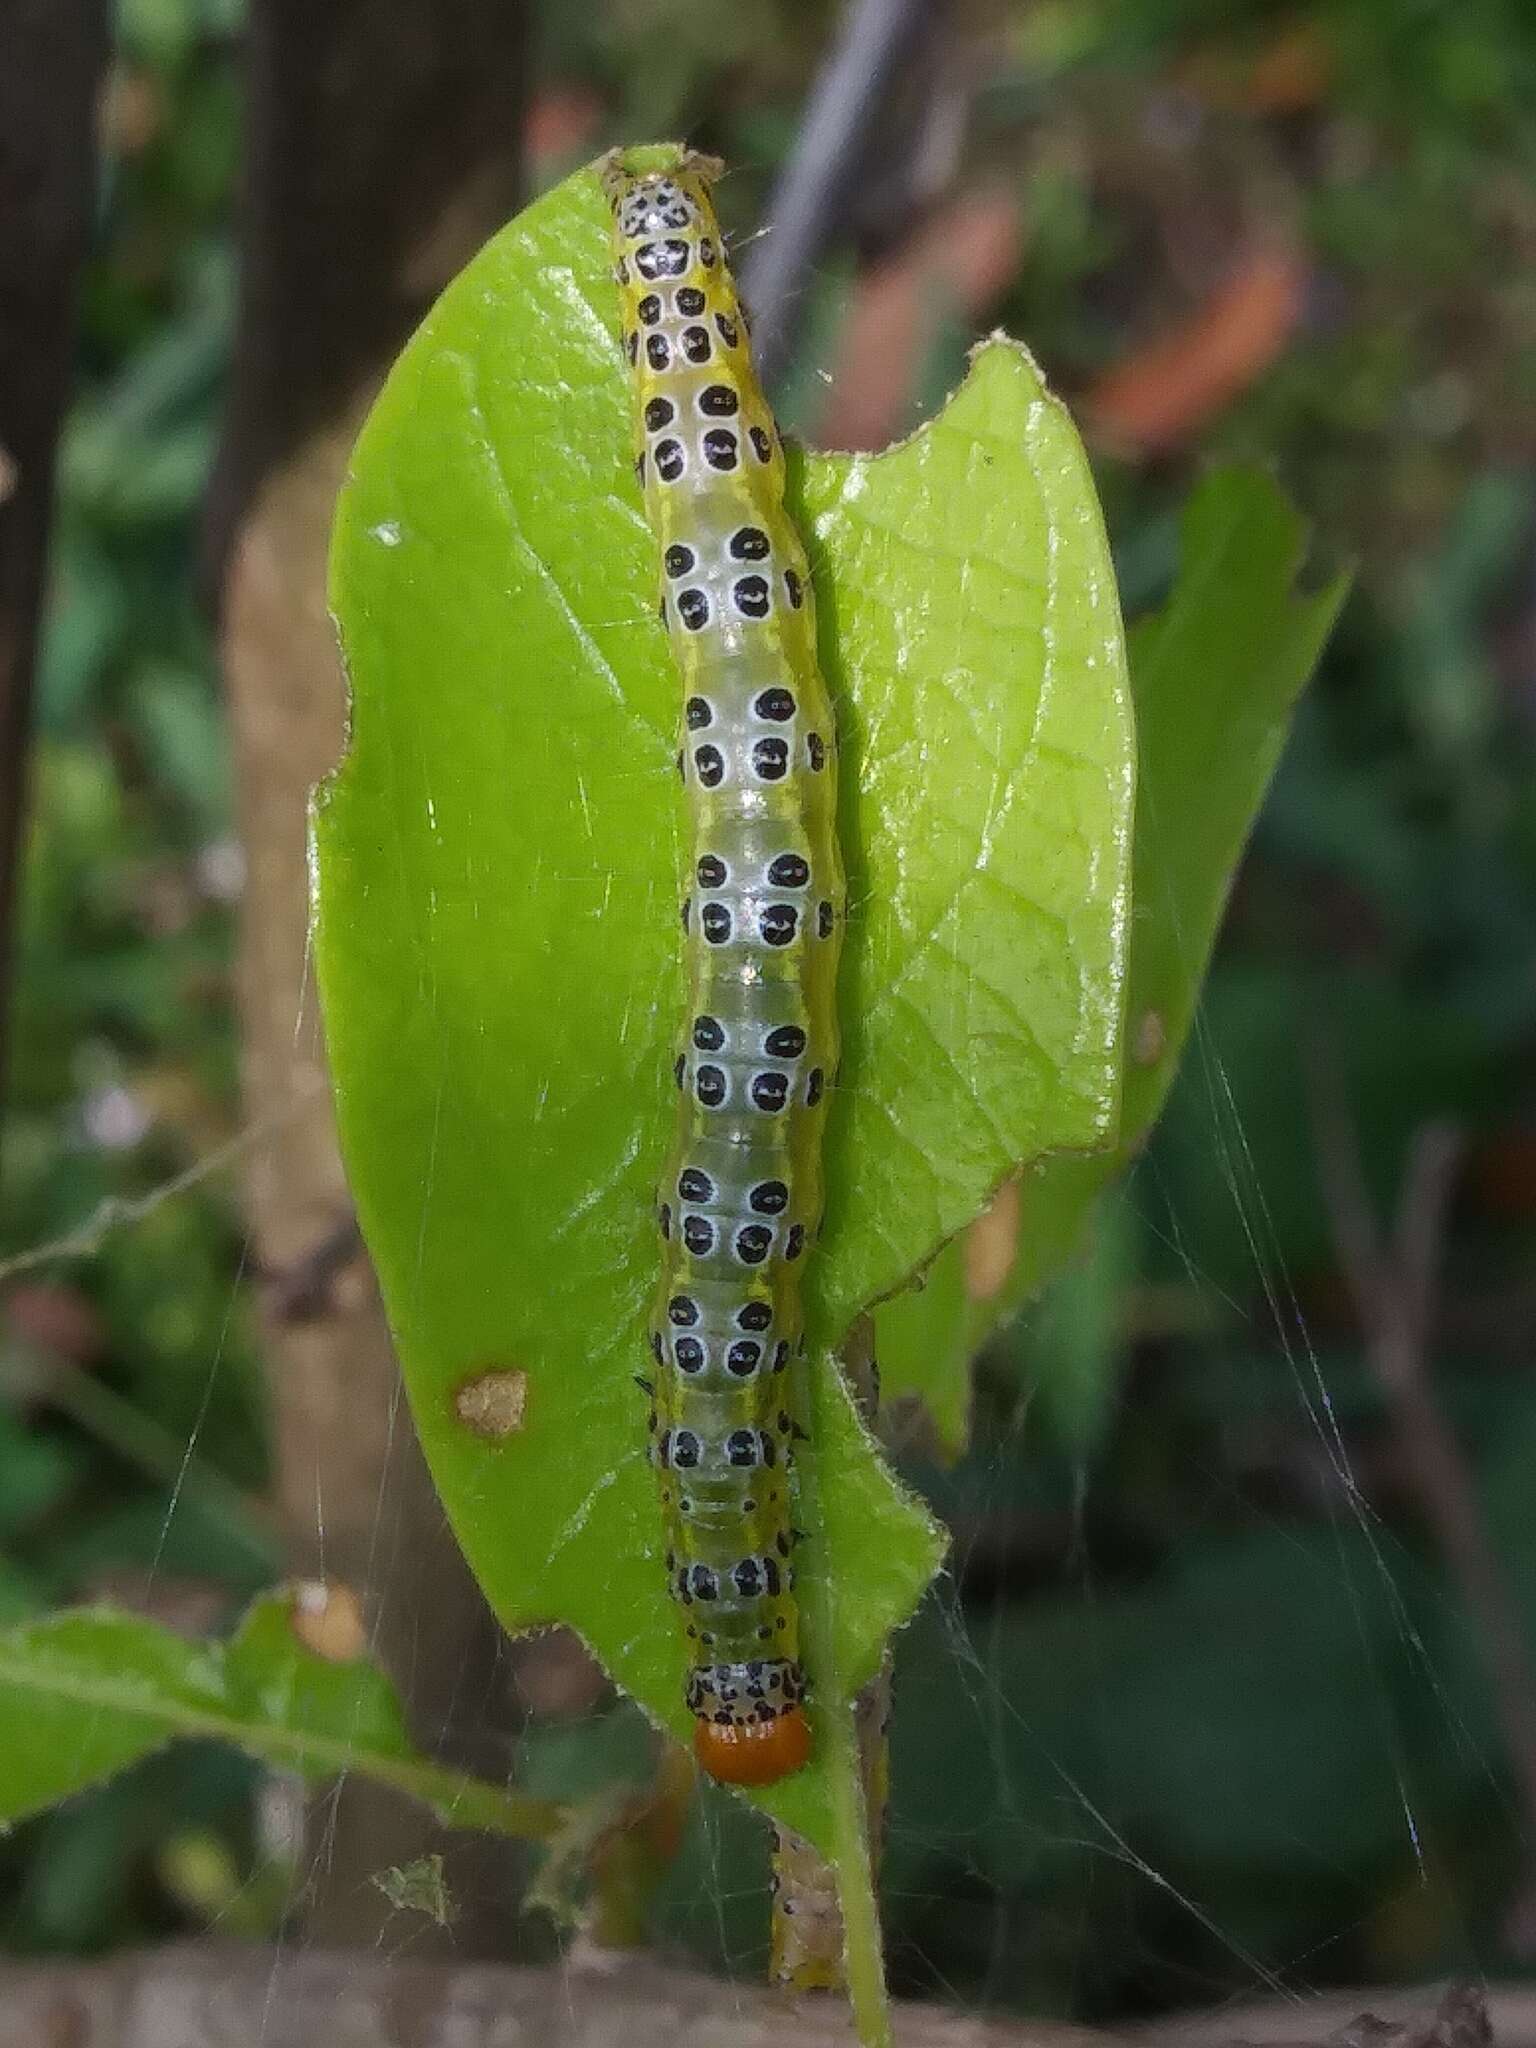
493 1404
328 1620
1151 1040
992 1244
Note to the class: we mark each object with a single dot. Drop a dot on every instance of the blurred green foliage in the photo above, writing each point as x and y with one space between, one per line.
1200 1702
128 1378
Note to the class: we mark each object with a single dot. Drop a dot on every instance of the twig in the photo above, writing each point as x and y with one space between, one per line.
809 1945
219 1995
844 105
1393 1289
1426 1193
119 1212
1466 2016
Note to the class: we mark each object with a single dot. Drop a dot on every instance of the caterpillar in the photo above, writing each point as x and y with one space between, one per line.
740 1201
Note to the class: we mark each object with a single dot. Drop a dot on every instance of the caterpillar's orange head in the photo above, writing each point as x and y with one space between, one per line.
753 1752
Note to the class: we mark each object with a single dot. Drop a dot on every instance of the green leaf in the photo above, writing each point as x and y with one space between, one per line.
1215 676
87 1692
498 870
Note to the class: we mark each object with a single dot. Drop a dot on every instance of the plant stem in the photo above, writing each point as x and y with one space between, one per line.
1392 1280
853 1864
826 1916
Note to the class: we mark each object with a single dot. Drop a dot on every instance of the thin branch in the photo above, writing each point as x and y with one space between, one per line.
1467 2016
121 1212
216 1995
1356 1239
1393 1290
845 103
1427 1187
825 1932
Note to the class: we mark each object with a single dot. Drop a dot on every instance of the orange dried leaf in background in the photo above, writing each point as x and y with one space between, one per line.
1293 72
957 264
1290 73
992 1244
561 125
1167 391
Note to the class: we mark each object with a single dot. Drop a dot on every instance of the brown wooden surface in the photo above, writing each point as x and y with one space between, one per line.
237 1998
207 1996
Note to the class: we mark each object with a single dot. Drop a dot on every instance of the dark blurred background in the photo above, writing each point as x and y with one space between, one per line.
1231 1684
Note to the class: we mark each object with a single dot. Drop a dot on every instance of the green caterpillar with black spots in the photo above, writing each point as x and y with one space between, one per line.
740 1201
